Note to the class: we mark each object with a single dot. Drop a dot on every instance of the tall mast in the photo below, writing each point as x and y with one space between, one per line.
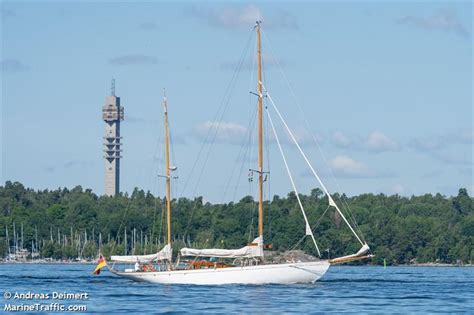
260 133
8 239
167 166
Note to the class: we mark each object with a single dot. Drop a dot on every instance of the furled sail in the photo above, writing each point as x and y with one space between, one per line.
255 249
363 252
164 254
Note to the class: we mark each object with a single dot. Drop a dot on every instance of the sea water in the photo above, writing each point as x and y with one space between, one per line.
344 289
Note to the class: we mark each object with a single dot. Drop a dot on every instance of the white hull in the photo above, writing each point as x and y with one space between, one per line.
301 272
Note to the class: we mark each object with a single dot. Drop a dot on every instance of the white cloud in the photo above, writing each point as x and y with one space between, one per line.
243 17
246 16
235 133
376 141
223 132
379 142
442 141
302 136
347 165
445 20
453 148
340 139
344 166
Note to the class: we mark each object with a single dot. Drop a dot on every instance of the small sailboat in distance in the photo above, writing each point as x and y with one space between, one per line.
246 264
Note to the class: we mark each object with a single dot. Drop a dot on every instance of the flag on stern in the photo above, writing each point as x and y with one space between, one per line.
101 263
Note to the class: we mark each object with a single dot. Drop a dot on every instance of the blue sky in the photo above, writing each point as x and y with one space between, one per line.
385 88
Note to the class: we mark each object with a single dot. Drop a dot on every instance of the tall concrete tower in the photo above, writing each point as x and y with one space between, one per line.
112 114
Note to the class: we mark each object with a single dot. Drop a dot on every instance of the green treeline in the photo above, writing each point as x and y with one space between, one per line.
66 224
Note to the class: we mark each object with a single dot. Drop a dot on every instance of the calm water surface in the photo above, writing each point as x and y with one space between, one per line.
396 290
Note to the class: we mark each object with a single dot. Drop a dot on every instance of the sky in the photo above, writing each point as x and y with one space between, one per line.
379 95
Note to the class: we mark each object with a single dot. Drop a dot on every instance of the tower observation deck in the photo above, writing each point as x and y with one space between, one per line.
112 114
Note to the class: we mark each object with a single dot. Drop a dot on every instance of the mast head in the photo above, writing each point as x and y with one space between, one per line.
165 102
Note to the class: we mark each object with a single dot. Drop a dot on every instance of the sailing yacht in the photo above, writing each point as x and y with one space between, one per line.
247 264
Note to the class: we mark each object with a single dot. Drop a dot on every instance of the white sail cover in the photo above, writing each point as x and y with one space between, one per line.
362 251
255 249
163 254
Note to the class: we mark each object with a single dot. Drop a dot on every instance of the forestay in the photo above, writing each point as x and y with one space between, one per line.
255 249
331 200
164 254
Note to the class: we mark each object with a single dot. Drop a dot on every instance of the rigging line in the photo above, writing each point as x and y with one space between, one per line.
162 204
247 159
241 156
156 183
331 201
253 208
211 145
287 81
252 191
152 236
246 145
154 221
292 182
345 204
250 124
129 204
217 128
222 104
252 215
351 215
252 77
299 242
269 190
242 153
173 179
173 155
154 161
252 118
345 201
320 219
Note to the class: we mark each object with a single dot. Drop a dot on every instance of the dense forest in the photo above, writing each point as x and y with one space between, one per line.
66 224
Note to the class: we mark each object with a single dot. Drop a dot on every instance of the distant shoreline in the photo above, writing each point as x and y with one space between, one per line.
437 265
